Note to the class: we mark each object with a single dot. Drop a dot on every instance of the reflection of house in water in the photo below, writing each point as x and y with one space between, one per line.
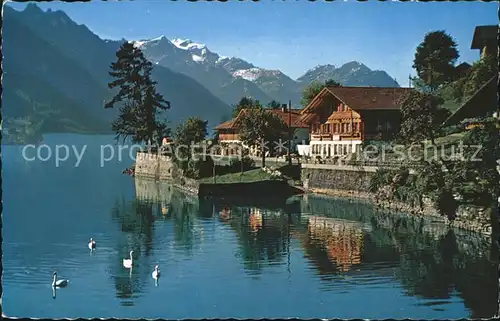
342 239
225 214
255 219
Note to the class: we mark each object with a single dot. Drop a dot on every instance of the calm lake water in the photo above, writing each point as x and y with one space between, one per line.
311 258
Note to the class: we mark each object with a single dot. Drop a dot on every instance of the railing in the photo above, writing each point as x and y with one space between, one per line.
345 160
333 136
318 136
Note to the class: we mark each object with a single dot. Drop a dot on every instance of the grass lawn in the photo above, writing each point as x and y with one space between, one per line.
450 139
253 175
451 105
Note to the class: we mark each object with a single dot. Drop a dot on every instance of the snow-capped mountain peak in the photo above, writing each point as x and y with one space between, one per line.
250 74
162 37
187 44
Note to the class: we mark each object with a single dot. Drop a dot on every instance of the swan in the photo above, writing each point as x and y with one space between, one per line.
128 262
58 283
156 273
92 244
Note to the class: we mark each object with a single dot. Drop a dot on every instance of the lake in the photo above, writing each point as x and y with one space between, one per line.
314 257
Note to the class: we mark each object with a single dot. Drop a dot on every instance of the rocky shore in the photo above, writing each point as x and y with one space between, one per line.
469 218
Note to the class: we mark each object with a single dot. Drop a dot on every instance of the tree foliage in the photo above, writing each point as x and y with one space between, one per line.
314 88
421 116
469 178
262 128
476 175
435 58
140 103
463 88
187 135
273 104
245 102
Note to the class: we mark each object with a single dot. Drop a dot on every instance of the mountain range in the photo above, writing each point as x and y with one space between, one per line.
50 59
232 78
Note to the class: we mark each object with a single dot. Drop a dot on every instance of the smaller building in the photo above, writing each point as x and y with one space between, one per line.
486 40
228 132
461 70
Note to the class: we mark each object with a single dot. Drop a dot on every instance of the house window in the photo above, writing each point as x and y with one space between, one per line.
348 126
355 127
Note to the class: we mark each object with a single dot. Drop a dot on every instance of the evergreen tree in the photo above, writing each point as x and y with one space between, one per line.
140 103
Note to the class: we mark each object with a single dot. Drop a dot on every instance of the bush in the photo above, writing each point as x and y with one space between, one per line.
200 168
246 162
380 179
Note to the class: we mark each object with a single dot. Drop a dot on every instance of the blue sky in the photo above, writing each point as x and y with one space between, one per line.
292 36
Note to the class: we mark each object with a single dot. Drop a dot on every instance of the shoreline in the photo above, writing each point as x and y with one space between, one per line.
476 227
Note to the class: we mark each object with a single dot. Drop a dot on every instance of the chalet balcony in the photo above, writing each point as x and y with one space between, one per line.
330 136
321 136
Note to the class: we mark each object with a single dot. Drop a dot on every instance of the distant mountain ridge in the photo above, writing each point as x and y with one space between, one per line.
221 74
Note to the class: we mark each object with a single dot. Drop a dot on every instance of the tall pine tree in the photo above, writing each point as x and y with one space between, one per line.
140 104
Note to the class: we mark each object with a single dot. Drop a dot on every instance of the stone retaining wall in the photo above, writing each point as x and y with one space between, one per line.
354 182
153 166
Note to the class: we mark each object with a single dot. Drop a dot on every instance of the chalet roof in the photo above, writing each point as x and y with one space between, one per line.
361 98
482 34
307 118
225 125
484 98
295 117
283 115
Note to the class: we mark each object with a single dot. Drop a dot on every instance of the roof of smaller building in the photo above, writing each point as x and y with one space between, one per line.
484 99
482 34
225 125
283 115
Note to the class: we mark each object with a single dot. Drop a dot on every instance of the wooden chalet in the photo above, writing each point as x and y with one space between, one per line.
341 118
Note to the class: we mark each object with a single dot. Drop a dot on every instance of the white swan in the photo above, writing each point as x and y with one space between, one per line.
92 244
58 283
128 262
156 273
